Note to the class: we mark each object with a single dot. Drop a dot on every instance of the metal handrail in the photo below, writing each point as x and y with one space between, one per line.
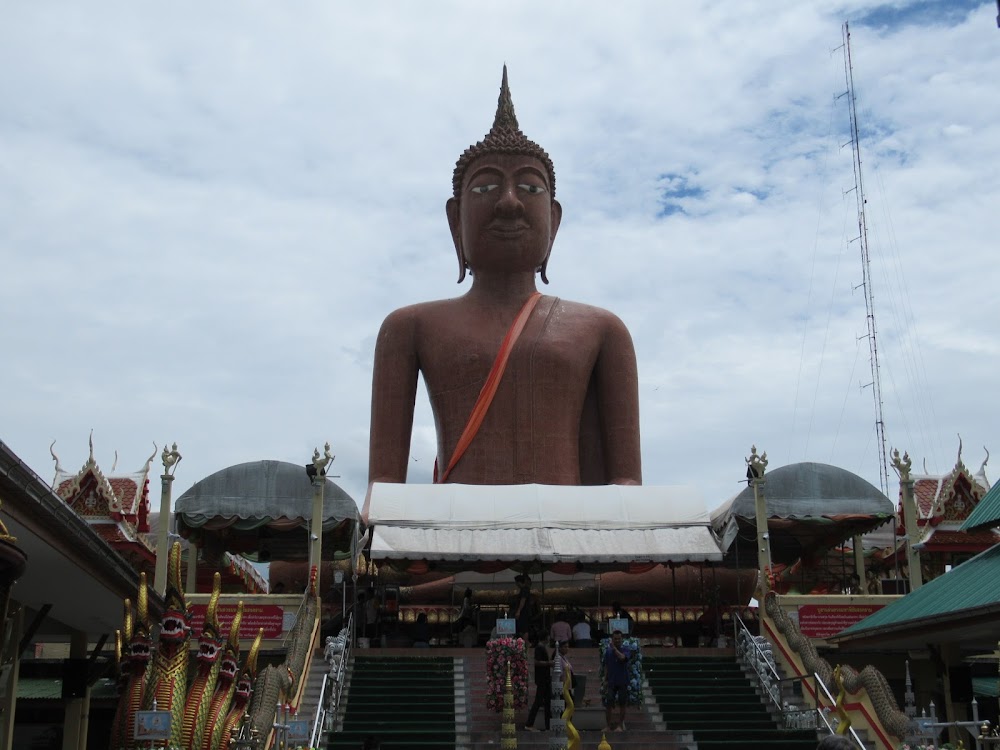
768 679
338 679
768 682
823 714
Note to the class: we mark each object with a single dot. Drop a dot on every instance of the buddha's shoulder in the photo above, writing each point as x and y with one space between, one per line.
414 315
580 312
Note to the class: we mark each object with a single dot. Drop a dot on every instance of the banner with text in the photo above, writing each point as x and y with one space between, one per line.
271 617
824 620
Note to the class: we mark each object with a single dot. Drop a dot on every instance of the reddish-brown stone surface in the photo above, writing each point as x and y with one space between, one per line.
566 411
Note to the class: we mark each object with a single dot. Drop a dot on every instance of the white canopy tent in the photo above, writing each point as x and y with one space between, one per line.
543 524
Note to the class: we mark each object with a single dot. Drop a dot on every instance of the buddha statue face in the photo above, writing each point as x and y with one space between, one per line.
505 219
503 213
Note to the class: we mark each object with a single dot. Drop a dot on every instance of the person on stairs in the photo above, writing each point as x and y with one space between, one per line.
543 683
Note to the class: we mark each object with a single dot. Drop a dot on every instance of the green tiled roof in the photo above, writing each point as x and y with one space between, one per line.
975 583
48 688
988 686
986 512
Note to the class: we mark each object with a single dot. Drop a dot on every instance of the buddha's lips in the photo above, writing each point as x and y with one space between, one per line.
507 230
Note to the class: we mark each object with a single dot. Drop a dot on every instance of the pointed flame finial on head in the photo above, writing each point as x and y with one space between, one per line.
505 118
505 137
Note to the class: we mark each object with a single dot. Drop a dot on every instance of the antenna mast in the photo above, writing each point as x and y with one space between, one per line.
866 283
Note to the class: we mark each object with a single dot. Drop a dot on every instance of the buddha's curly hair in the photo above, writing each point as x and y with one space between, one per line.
505 137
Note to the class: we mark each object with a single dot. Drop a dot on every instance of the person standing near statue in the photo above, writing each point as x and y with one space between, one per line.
524 388
616 675
543 683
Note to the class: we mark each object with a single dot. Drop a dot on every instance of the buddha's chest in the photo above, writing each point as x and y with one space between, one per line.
550 356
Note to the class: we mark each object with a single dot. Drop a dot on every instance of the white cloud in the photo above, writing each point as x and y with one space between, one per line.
205 213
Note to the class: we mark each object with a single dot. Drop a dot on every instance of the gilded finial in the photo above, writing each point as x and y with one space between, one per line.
5 535
170 460
756 465
901 465
322 463
605 745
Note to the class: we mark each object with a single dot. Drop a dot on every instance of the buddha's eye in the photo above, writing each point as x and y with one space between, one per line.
483 189
531 189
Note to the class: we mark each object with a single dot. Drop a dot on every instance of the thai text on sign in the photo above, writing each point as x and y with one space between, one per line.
824 620
255 616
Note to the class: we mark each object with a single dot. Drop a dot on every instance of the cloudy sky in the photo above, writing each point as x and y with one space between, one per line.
207 211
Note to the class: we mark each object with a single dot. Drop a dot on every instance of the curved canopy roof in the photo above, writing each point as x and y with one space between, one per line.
810 507
261 505
472 526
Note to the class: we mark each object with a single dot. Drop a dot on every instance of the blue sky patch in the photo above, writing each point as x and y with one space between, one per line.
920 13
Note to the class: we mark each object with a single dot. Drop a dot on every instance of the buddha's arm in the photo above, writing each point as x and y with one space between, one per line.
394 390
618 404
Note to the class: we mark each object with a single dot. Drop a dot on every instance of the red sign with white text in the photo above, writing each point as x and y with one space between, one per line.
824 620
255 616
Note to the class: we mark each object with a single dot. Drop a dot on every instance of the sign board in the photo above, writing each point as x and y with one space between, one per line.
152 725
506 626
338 576
618 623
271 617
824 620
298 733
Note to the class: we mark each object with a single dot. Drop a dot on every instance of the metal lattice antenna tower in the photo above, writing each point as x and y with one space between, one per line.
866 283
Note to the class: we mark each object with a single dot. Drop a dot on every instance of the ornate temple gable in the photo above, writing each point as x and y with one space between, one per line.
946 498
118 498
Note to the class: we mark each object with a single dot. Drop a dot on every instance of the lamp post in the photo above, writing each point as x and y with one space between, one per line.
316 471
756 465
170 460
902 467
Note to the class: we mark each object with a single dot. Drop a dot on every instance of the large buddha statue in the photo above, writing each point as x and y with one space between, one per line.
524 388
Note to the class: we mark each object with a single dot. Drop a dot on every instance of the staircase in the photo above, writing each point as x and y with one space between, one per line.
712 698
400 698
405 701
310 694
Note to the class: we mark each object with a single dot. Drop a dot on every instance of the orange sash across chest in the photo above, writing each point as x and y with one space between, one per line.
489 389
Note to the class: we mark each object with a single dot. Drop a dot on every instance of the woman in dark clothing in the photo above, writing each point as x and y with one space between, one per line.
543 683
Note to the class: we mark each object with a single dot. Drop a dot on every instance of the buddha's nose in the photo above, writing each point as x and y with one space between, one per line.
508 203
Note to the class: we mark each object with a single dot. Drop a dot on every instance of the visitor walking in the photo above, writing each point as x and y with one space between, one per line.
616 679
543 683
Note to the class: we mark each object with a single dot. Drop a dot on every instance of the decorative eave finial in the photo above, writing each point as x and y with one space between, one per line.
55 458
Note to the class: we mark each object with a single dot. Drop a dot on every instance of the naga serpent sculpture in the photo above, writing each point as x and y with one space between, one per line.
277 683
168 680
134 667
869 678
241 699
225 686
200 693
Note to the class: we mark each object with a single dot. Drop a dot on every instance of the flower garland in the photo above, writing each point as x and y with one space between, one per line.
498 652
633 670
